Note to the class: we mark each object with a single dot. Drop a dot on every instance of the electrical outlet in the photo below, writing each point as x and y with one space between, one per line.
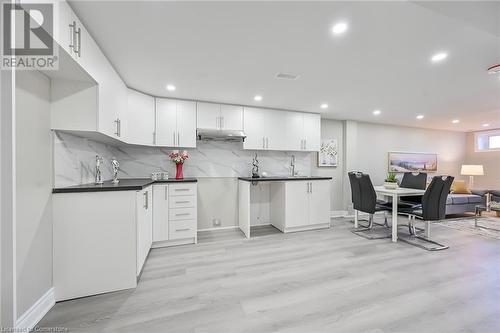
216 222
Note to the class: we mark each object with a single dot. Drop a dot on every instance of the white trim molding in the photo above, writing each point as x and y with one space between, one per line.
33 315
219 228
338 213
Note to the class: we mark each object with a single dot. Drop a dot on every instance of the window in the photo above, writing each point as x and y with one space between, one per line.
487 141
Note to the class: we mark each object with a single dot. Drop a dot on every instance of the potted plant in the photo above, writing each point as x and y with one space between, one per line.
391 182
178 159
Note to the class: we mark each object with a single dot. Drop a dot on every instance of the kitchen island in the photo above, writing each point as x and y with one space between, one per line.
294 203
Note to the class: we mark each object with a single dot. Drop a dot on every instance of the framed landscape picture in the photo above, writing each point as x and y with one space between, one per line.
412 162
328 155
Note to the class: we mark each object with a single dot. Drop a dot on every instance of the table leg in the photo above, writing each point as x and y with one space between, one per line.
394 218
356 217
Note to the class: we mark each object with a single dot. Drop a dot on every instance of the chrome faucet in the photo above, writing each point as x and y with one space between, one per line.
98 175
292 165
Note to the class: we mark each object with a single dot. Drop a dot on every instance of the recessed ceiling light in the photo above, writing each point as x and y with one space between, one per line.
324 106
339 28
439 57
377 112
258 98
486 125
170 87
420 117
455 121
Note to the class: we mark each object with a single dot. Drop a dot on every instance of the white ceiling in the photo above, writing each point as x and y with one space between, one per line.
230 51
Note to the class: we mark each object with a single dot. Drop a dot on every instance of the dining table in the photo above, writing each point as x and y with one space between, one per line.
395 194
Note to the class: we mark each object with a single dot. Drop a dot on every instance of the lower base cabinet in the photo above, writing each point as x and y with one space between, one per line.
174 214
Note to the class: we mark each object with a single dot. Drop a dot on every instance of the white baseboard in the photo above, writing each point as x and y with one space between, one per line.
338 213
33 315
219 228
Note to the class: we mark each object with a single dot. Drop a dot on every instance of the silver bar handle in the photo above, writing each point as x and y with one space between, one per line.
117 133
166 193
217 122
145 194
119 127
72 35
79 49
305 144
154 137
307 187
183 229
185 201
263 142
178 139
181 189
222 121
174 139
311 187
182 214
267 143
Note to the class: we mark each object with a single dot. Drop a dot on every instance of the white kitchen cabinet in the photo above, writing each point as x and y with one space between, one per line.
312 131
275 126
174 214
306 205
294 130
219 116
207 115
144 211
94 235
175 123
160 213
140 118
231 117
265 129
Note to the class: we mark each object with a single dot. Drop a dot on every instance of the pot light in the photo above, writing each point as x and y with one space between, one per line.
170 87
377 112
339 28
324 106
258 98
486 125
455 121
439 57
420 117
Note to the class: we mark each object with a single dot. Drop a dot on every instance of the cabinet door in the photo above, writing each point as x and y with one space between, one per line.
141 204
148 238
63 32
294 131
160 213
254 128
297 204
231 117
275 124
140 118
319 202
207 115
166 122
186 124
312 131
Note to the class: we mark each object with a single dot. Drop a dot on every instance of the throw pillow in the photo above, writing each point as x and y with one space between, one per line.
459 187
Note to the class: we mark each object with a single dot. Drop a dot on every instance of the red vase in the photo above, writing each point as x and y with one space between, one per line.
179 174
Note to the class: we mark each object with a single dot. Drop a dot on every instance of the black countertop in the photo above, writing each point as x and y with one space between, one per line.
279 179
133 184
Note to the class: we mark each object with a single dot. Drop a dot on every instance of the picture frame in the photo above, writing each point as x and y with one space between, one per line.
328 155
412 162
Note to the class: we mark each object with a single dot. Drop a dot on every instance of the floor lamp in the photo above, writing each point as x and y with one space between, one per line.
471 171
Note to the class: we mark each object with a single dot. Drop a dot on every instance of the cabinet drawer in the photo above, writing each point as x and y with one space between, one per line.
182 229
182 214
184 201
182 189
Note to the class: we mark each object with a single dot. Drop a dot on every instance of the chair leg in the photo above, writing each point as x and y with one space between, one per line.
365 232
417 240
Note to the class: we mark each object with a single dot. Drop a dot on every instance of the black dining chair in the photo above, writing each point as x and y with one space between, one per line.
416 181
364 199
433 208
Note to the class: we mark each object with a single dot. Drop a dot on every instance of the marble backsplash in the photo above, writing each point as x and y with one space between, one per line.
74 160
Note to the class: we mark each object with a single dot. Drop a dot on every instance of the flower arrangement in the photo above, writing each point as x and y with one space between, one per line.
178 158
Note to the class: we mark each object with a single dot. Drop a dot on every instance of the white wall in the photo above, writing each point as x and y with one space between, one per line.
332 129
33 188
490 162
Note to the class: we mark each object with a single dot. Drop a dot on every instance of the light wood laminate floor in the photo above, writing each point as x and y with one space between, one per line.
315 281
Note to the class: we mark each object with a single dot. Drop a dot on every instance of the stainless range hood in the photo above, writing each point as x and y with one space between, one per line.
220 135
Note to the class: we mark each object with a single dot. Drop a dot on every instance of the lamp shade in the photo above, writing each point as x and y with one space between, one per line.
472 170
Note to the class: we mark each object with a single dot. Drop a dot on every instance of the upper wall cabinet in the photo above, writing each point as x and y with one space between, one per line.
141 118
97 105
265 129
219 116
281 130
175 123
